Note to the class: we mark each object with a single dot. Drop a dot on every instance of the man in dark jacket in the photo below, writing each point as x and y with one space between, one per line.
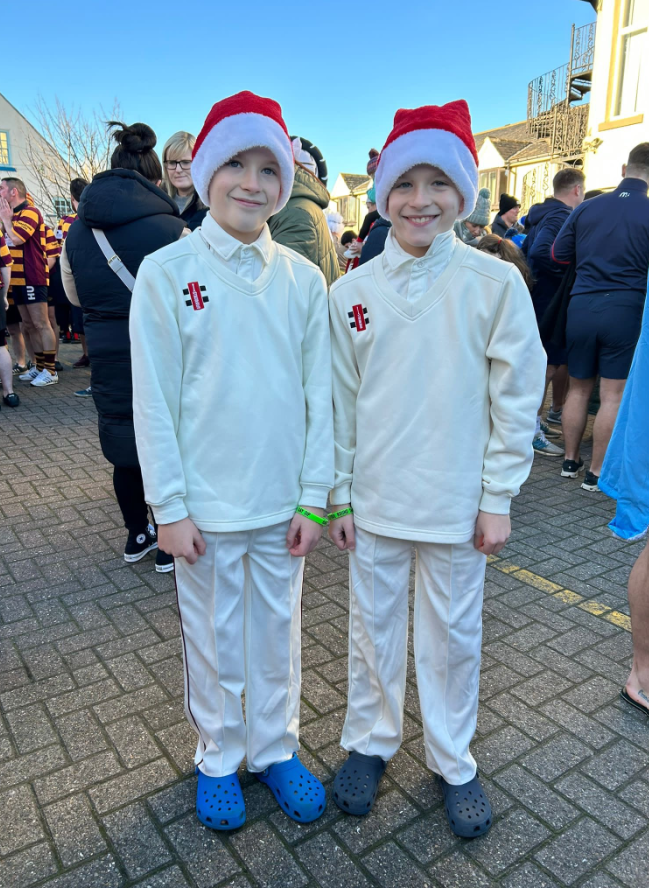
609 239
508 211
544 222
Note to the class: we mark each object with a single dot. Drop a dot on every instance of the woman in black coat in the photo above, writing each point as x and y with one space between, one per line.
137 217
177 178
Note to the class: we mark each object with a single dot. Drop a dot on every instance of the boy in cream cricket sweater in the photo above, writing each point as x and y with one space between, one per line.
438 371
233 416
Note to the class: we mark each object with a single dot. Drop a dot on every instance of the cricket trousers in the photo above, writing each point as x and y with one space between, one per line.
449 583
240 619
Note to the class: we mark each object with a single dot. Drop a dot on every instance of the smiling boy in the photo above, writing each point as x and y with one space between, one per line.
438 371
233 420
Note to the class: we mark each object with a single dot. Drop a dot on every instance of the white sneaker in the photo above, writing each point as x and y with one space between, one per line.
32 373
45 378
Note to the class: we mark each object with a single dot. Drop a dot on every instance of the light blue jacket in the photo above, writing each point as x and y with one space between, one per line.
625 473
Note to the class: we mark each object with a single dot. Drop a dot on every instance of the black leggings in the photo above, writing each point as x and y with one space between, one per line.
129 491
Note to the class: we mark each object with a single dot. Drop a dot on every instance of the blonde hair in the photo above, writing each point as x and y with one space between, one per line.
175 147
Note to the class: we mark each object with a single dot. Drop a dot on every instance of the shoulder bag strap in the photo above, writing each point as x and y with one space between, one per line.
114 262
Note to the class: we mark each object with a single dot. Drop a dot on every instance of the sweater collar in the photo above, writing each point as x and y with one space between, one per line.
227 246
439 251
631 184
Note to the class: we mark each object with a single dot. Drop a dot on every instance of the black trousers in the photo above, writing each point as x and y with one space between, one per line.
129 490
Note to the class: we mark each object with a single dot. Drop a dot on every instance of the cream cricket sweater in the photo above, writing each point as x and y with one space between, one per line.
231 387
435 399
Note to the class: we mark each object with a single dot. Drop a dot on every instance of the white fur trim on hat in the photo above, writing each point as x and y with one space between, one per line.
240 132
436 147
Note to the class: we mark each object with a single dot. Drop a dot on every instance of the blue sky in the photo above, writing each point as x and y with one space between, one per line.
339 70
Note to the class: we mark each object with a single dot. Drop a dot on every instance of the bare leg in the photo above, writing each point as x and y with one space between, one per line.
41 322
559 386
550 371
610 392
6 375
575 414
637 684
31 333
82 337
51 314
18 344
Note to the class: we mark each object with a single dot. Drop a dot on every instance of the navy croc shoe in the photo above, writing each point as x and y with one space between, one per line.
357 782
219 801
467 808
299 793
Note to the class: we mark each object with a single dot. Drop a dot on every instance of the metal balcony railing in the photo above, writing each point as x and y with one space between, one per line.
556 101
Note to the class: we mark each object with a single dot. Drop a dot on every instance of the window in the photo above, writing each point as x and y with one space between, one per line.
5 159
348 210
633 49
496 182
62 206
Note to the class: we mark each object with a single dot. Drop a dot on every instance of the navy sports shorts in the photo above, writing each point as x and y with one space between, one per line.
28 295
13 315
602 333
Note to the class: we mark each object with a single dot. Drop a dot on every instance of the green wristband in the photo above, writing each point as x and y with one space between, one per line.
318 520
333 515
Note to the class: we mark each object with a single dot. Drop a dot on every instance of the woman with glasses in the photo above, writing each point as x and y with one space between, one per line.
177 178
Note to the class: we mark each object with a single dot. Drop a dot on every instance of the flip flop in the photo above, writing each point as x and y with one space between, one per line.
357 782
219 801
467 808
629 699
299 793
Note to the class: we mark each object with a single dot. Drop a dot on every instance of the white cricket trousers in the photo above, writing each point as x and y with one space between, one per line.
449 583
240 618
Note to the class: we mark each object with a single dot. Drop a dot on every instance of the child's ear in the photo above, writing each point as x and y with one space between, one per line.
461 206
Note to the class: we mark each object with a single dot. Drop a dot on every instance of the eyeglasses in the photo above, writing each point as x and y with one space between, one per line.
174 164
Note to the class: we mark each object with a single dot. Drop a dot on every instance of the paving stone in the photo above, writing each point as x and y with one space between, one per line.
602 806
555 757
592 694
81 734
630 866
202 851
537 796
528 876
541 687
29 766
637 794
31 728
500 748
133 742
102 873
508 841
172 802
391 810
390 866
76 777
577 850
528 720
428 837
420 783
20 824
136 840
329 864
74 830
582 726
267 859
169 878
617 764
132 785
27 867
457 871
179 742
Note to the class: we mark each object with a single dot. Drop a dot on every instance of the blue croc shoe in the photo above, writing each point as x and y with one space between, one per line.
298 792
219 801
467 808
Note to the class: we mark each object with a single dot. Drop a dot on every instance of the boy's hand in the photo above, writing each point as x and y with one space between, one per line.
182 539
491 532
341 530
303 534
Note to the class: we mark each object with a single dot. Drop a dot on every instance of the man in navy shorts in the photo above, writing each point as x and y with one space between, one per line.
609 239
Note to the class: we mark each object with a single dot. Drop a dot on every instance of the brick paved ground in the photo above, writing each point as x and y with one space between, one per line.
96 789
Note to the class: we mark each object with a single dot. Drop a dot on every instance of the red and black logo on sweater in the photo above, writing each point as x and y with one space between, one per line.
197 295
358 318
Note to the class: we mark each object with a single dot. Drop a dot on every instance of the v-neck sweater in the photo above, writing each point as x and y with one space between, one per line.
231 387
435 399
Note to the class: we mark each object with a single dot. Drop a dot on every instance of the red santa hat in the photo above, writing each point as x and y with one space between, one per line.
236 124
439 135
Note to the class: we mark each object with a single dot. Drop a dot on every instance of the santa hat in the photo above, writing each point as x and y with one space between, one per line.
237 124
439 135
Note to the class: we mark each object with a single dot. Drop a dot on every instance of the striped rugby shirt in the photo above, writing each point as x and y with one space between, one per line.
29 263
5 255
64 226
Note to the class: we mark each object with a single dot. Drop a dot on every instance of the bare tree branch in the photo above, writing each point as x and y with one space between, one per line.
73 144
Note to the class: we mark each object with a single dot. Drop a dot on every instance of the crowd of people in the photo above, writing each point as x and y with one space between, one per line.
261 373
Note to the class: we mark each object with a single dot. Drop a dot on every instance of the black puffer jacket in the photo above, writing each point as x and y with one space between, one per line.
137 218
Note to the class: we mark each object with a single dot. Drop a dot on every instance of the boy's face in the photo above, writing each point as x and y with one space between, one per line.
244 193
423 203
